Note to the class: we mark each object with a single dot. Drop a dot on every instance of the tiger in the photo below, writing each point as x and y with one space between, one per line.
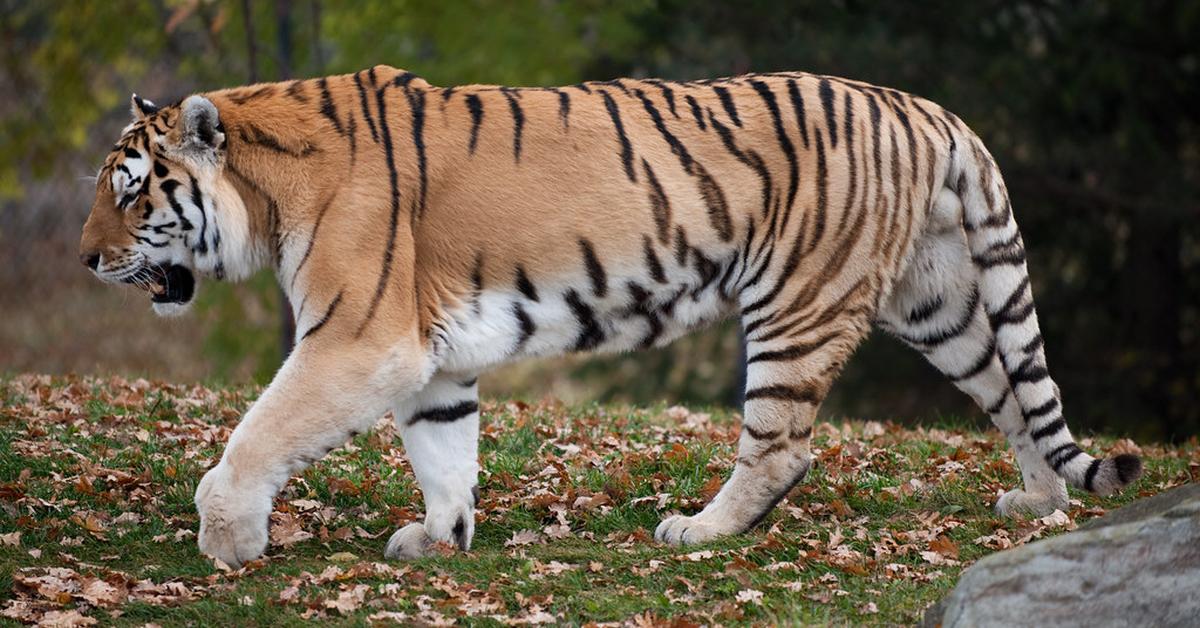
423 235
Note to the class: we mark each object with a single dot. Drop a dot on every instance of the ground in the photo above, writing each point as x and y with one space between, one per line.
97 522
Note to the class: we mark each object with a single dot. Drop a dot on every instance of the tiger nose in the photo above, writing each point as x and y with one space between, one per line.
91 260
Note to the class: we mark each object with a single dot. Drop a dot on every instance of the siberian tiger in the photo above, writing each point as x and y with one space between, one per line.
425 234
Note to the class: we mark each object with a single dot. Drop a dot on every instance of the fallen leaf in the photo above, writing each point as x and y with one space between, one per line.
523 537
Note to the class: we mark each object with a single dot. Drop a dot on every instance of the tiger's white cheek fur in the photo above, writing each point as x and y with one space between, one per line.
240 254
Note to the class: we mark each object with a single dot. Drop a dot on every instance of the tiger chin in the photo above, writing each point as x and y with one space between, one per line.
425 234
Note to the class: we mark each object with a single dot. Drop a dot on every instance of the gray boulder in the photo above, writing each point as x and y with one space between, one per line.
1137 566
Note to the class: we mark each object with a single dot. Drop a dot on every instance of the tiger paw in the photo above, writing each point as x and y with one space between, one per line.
1018 502
408 543
683 530
233 522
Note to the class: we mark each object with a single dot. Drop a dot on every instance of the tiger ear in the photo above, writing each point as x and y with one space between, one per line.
141 108
200 131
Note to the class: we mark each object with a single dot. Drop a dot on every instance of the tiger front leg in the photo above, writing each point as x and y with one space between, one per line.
317 401
440 430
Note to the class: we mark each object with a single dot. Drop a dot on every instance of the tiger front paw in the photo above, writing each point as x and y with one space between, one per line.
233 523
684 530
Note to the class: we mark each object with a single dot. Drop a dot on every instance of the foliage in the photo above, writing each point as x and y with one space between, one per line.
102 527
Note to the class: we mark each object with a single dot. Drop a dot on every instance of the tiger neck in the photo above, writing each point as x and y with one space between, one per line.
261 161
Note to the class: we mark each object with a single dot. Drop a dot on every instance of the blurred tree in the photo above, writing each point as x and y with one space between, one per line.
1089 108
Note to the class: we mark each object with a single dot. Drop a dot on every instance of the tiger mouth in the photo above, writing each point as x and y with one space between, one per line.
166 284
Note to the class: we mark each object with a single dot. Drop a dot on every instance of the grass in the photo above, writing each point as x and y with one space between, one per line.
97 478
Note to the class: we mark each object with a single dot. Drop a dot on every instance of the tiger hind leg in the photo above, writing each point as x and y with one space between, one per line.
937 308
792 360
440 429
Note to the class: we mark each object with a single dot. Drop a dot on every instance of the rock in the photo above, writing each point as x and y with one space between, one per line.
1137 566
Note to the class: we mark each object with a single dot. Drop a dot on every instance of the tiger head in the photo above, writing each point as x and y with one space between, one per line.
164 212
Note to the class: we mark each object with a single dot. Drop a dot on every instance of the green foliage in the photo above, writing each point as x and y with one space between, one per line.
243 338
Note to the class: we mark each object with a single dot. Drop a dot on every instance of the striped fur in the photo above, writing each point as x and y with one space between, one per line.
424 235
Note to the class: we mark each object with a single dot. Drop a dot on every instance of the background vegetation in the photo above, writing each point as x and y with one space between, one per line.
1089 107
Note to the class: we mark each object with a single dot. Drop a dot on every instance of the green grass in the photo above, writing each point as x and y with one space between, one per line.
78 455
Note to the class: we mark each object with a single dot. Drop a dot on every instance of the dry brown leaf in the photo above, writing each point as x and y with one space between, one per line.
523 537
944 546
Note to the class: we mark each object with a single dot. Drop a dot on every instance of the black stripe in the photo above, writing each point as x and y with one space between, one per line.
783 392
590 334
980 365
784 142
668 94
761 434
518 117
793 352
727 104
617 83
403 79
595 269
1050 429
685 158
660 205
999 405
1090 476
477 283
798 106
851 162
327 107
822 193
714 203
1015 297
749 158
201 245
1046 408
324 319
681 245
1062 455
695 111
446 414
876 143
362 99
924 311
1012 257
525 286
1012 318
652 262
525 323
394 215
626 147
848 128
706 268
416 101
169 186
564 107
475 106
954 331
825 90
